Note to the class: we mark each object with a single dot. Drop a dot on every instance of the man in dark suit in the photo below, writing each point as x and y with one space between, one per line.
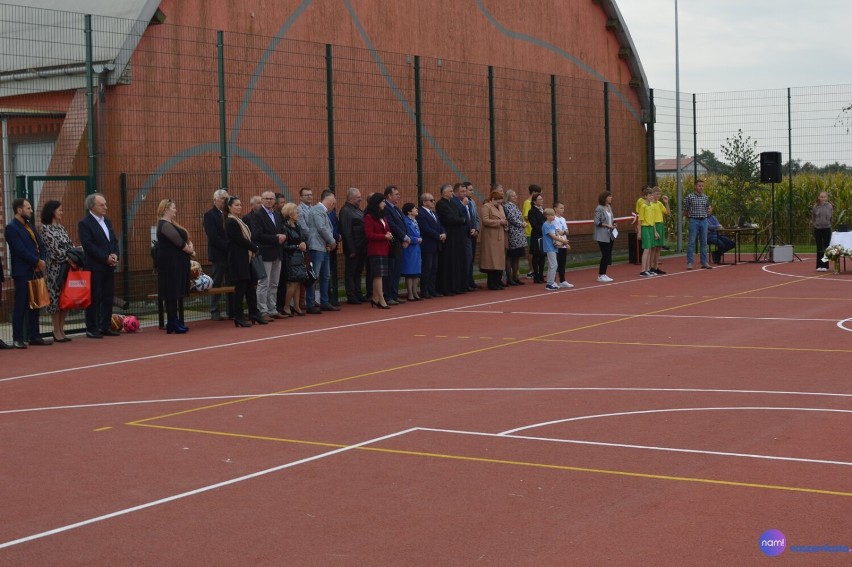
217 249
433 236
451 260
473 215
354 245
28 255
396 222
101 248
267 231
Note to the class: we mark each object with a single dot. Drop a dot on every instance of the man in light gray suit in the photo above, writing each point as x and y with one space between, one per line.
320 242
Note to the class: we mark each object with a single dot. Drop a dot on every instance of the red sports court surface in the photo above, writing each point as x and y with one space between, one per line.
663 421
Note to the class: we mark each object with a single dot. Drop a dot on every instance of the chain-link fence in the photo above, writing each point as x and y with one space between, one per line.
727 132
147 112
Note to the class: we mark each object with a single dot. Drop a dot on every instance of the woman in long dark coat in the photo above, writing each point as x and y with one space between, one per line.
240 252
294 250
174 251
536 218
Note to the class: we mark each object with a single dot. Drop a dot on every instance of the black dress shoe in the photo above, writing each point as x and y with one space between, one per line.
217 317
4 346
92 335
353 301
329 307
19 344
314 310
38 341
436 294
110 333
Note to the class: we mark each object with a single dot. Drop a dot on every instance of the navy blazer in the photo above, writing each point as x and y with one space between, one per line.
217 240
430 230
95 243
23 250
264 233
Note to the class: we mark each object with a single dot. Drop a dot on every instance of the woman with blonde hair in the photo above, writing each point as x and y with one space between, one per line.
174 251
493 240
294 248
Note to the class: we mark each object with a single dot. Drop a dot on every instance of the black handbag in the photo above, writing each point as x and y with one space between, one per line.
309 269
258 270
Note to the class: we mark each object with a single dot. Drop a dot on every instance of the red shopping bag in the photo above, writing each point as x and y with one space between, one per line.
77 292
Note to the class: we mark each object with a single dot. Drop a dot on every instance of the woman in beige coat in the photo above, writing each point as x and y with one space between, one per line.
493 240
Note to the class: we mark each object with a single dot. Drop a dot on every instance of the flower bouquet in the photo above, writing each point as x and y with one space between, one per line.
834 254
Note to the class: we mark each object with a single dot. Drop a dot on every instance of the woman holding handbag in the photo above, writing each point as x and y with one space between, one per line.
294 248
58 243
241 250
174 250
28 253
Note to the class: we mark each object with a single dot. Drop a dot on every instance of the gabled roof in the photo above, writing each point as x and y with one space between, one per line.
671 164
43 49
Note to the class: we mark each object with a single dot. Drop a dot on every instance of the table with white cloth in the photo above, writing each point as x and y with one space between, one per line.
844 239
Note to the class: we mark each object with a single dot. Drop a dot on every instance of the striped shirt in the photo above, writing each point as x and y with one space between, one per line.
696 205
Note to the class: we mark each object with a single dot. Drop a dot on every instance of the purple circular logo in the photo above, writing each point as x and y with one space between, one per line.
772 543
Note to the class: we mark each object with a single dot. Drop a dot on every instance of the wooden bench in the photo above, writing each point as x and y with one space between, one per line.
161 306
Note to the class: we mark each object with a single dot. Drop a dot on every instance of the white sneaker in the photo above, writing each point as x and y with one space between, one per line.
604 278
565 285
822 269
551 287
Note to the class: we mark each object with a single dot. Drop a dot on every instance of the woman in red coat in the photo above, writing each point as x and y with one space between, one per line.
379 237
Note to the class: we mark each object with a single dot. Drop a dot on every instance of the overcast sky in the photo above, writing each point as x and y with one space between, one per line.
732 45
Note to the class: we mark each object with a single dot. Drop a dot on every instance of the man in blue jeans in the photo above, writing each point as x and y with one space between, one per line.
695 209
320 242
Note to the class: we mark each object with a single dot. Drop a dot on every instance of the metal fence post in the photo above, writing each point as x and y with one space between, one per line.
650 141
606 137
125 235
789 168
492 126
329 94
694 138
223 126
418 125
90 99
554 138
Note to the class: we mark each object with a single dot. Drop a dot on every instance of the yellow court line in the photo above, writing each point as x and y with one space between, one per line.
549 466
670 345
611 472
449 357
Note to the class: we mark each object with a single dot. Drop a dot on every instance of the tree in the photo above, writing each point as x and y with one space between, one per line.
739 188
793 167
709 160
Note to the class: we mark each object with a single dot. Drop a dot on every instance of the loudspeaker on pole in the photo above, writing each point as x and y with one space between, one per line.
770 167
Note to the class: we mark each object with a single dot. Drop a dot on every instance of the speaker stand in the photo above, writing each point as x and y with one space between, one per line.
774 239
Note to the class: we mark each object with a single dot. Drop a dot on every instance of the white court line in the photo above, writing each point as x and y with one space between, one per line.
307 332
825 277
642 447
418 391
640 316
842 324
197 491
665 410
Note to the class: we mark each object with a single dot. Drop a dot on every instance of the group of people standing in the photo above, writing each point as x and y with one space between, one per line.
48 252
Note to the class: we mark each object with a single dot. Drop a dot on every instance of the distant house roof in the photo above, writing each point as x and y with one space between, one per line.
671 164
35 55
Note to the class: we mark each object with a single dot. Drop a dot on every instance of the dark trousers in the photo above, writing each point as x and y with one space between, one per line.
99 313
823 238
428 273
219 275
354 267
538 267
606 256
244 290
561 260
471 255
21 312
390 284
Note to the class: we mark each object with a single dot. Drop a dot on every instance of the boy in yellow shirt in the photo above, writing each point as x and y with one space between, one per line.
648 230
